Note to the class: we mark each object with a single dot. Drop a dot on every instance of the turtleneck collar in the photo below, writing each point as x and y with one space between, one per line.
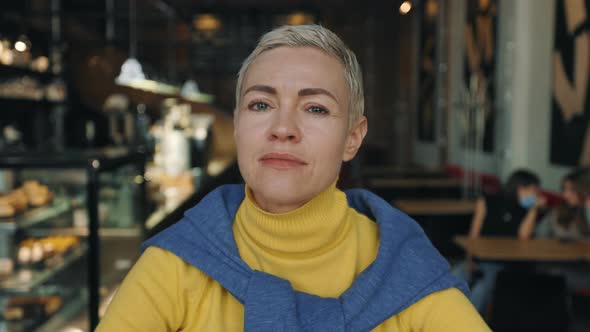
315 226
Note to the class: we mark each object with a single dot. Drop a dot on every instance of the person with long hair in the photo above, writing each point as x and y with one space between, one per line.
570 219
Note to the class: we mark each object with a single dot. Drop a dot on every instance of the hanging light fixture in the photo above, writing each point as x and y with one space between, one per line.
189 88
190 91
131 70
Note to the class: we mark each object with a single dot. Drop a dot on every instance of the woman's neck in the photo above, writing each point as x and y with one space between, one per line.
313 226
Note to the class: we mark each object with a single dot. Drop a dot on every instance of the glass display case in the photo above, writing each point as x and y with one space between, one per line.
71 224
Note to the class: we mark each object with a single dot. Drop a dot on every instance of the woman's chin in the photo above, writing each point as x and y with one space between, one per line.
294 191
280 198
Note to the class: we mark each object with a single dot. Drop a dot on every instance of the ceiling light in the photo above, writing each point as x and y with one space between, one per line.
405 7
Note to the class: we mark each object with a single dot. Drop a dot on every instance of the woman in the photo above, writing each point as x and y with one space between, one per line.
513 212
288 251
569 221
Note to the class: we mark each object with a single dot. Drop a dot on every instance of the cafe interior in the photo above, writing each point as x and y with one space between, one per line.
117 116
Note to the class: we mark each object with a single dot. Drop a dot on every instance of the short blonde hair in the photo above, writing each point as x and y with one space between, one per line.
320 38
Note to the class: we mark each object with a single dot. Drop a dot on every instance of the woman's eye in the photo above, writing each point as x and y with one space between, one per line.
317 110
258 106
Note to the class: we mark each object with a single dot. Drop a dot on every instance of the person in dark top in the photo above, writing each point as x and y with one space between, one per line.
512 212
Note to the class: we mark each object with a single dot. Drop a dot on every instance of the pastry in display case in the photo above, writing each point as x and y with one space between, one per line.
58 213
30 194
18 308
45 251
29 263
24 87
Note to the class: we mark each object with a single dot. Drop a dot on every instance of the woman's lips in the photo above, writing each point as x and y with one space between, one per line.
281 161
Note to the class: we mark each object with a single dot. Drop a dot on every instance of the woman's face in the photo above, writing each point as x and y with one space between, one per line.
570 196
291 128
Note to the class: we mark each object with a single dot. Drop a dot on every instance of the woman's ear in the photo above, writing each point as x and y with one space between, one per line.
355 138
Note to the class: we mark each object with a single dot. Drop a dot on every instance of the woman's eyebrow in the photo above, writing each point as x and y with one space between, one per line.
261 88
302 93
316 91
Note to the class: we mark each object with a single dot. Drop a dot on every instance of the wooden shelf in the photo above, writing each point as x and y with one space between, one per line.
6 71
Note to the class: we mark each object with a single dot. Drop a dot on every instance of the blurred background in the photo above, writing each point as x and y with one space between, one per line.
116 116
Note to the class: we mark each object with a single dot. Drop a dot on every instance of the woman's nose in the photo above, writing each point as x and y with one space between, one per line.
285 127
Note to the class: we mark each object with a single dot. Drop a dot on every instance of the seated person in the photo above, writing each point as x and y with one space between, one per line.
570 220
512 212
289 251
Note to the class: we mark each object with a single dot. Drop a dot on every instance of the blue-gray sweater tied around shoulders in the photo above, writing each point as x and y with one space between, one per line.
407 268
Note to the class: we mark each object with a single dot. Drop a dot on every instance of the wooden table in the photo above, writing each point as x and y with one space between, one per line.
433 207
514 250
441 220
415 183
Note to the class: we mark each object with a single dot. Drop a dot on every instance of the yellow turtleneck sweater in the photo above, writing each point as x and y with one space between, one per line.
320 248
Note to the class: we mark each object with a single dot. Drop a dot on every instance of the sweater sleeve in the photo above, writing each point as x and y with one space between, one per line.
444 311
149 299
